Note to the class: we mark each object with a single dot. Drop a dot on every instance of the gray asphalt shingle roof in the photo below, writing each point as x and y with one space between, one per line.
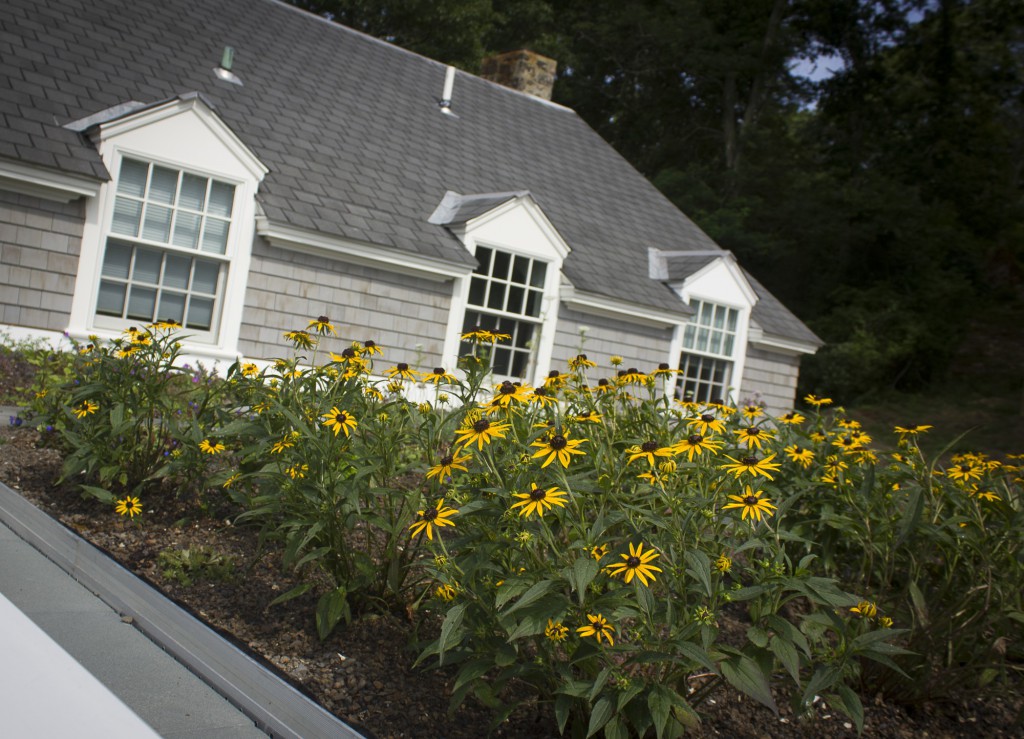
348 125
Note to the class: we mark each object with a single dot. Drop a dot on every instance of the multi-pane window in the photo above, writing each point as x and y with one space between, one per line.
506 294
706 361
165 256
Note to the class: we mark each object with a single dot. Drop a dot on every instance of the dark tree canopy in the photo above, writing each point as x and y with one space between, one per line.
883 204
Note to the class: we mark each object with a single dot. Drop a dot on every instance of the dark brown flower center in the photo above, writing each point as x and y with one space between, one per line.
541 392
402 367
482 425
663 366
753 432
750 500
323 319
430 514
632 371
707 418
507 388
695 438
348 353
537 494
602 382
438 370
797 450
584 415
965 468
370 344
581 357
750 461
553 374
558 442
650 446
633 562
445 461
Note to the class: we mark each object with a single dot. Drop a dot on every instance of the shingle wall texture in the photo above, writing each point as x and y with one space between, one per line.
40 242
288 289
771 376
643 347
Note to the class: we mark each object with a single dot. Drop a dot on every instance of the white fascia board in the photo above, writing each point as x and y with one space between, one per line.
728 261
529 205
177 106
313 242
776 343
48 184
618 309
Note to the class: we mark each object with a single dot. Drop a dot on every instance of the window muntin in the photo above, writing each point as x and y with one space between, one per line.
703 379
163 218
506 294
712 330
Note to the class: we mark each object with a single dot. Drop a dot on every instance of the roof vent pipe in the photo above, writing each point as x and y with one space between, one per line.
446 95
224 70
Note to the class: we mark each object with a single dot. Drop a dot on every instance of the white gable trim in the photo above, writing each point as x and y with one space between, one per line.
44 183
685 289
190 102
618 309
775 343
372 255
529 206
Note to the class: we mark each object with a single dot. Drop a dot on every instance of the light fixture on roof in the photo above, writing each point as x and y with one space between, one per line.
224 70
446 96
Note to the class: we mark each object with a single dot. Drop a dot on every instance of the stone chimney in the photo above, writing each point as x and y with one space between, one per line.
522 70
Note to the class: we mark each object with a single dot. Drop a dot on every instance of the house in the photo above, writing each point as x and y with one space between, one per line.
243 166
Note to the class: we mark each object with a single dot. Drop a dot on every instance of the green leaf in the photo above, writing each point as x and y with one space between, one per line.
850 704
920 604
758 636
824 677
563 705
599 716
697 655
584 570
532 595
451 628
700 569
293 593
509 590
743 674
599 683
787 655
616 729
101 494
659 702
333 606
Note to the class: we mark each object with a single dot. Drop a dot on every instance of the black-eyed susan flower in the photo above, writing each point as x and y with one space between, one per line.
724 563
589 417
603 386
301 339
85 408
664 370
964 472
210 447
865 609
706 422
509 392
988 495
322 325
580 362
791 419
637 563
555 380
401 371
285 442
753 436
232 480
631 376
598 551
818 437
439 376
297 471
752 466
438 516
542 396
801 455
479 431
128 506
338 420
847 443
557 446
816 401
599 628
483 336
369 348
555 631
695 444
538 500
249 370
751 504
649 450
751 411
445 592
448 464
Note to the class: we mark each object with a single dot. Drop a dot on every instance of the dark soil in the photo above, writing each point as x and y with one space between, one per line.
364 671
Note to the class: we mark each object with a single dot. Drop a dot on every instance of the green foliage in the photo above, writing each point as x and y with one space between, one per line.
185 566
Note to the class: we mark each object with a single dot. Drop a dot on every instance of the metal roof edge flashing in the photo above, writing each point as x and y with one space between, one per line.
275 706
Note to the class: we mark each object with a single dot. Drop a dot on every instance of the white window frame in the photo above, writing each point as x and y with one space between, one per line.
519 227
186 135
103 320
